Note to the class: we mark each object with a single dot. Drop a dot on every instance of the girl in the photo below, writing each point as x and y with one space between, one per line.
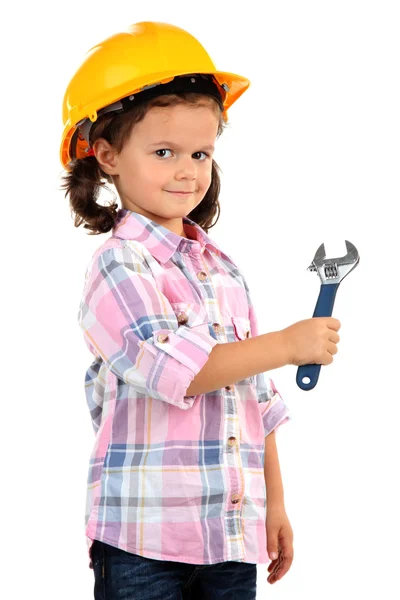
184 491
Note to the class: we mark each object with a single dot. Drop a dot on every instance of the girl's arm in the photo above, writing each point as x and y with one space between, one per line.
235 361
272 473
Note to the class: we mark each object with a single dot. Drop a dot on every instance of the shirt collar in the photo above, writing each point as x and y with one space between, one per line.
160 241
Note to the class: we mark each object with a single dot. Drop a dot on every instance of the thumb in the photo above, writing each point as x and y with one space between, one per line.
272 549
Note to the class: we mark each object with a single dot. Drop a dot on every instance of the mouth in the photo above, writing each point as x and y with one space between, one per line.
179 193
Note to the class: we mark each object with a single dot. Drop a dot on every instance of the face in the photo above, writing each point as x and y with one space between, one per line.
164 170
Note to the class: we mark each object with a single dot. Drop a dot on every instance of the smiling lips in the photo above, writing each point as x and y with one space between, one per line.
181 193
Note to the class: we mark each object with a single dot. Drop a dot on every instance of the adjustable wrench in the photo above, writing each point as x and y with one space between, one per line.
331 272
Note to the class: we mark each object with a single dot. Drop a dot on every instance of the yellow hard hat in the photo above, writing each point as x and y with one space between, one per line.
146 54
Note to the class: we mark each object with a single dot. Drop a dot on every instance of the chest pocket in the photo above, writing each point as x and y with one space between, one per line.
192 315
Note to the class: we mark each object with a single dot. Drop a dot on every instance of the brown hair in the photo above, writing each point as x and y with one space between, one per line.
85 180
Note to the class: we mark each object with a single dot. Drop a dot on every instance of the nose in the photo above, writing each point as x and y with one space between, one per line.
186 168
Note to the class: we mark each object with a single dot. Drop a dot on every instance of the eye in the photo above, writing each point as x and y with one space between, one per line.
205 155
162 150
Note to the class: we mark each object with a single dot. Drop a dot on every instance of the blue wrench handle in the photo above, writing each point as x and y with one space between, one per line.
323 308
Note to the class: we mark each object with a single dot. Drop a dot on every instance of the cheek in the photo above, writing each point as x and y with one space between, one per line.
150 175
205 175
156 172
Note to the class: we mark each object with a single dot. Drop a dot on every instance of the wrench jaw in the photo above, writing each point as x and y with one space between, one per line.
320 256
334 270
352 254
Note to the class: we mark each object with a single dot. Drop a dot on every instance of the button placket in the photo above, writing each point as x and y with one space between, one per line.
202 275
232 441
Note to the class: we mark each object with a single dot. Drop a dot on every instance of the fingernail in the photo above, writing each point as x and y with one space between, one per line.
273 555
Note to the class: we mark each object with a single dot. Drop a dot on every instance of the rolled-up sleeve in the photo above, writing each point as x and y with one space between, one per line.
128 322
274 411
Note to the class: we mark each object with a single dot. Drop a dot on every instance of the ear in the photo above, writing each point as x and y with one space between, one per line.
106 156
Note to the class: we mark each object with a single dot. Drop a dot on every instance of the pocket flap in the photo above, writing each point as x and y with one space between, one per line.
242 327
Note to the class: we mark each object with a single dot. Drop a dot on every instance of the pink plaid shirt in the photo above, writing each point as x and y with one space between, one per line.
172 477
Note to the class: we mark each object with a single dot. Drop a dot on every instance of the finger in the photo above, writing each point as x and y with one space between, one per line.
287 556
334 324
332 348
277 560
334 337
278 573
274 574
273 545
275 564
284 568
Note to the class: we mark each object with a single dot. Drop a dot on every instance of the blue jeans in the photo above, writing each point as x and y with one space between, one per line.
120 575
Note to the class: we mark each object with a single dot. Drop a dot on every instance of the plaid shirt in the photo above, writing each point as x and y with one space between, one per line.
172 477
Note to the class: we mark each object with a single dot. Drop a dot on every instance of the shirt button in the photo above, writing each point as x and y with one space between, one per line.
232 441
163 338
182 318
228 388
247 334
217 327
202 275
235 498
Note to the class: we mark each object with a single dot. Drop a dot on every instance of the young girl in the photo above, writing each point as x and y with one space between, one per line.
184 490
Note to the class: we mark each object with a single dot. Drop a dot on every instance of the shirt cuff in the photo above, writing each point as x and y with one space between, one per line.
274 411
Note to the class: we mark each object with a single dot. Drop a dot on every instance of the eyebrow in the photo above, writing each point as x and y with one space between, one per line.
169 143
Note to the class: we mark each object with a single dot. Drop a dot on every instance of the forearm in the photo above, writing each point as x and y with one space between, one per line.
234 361
272 472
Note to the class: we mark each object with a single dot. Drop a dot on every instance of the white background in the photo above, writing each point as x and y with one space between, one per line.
311 156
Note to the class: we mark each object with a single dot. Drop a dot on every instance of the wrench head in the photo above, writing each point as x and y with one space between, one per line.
333 270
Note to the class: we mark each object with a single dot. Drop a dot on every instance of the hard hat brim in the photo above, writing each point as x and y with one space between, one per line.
234 85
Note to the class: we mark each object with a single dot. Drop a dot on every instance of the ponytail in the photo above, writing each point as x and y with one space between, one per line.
83 184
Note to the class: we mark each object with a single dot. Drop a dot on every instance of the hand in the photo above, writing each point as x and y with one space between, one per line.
312 341
280 541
